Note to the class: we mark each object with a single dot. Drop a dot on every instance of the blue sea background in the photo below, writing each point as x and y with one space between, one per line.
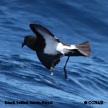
24 78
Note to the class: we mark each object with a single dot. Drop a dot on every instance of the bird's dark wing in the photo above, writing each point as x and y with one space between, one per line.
49 61
42 32
38 28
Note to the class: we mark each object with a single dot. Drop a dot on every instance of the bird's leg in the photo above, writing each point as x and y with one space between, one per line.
51 70
65 68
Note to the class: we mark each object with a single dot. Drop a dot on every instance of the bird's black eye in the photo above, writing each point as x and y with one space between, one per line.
26 37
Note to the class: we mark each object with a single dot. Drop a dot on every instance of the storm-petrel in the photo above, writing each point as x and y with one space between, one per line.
50 49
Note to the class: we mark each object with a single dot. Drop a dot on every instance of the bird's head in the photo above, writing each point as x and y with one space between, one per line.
29 41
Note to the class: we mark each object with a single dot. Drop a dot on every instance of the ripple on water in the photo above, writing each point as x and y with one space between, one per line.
98 60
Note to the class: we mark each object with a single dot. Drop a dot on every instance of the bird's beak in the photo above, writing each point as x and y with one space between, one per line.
23 45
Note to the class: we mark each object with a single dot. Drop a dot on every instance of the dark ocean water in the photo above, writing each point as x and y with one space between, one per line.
24 78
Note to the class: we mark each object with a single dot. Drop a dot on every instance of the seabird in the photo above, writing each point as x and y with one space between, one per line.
50 49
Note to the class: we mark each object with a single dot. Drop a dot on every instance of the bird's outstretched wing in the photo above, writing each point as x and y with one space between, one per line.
42 32
46 37
40 29
49 61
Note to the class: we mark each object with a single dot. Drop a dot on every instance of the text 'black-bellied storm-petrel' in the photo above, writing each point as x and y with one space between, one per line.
50 49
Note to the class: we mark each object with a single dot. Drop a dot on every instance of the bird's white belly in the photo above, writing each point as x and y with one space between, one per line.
61 48
50 47
53 47
64 49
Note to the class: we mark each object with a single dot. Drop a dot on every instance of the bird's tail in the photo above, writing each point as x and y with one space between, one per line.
84 48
